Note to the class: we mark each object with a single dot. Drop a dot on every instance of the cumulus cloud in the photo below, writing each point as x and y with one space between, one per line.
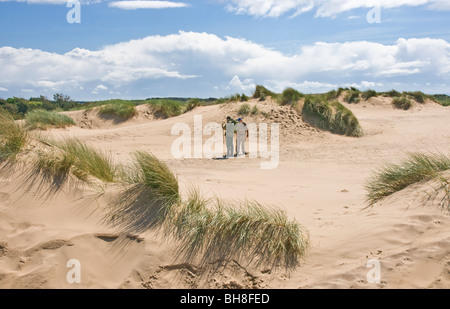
146 4
196 61
330 8
237 85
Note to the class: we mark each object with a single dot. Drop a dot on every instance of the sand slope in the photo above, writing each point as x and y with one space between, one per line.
320 182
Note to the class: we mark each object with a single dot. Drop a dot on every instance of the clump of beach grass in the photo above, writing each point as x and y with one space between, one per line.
212 229
123 110
352 96
369 94
167 108
192 104
333 117
244 110
418 96
392 93
290 96
345 122
254 111
318 113
395 177
75 157
13 137
262 93
42 119
248 230
402 103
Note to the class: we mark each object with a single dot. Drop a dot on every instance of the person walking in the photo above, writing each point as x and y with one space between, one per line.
229 128
242 135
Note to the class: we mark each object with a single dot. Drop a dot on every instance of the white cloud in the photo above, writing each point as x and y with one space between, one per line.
236 84
329 8
440 5
3 89
125 5
56 2
26 90
99 88
305 86
146 4
198 61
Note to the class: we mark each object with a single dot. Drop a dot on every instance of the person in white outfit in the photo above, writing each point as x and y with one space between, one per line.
230 128
242 135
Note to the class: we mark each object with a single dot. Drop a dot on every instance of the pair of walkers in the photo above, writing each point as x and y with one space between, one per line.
239 128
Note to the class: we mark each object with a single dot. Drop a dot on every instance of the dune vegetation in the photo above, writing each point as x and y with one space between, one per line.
353 96
291 97
244 110
366 95
167 108
212 229
42 119
262 93
123 110
13 137
402 102
395 177
331 116
73 157
151 199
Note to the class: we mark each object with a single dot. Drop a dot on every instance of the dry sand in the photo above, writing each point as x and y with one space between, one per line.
319 182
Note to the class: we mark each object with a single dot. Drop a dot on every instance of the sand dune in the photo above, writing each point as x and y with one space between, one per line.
319 181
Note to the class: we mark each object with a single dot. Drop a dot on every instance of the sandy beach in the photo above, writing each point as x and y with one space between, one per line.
319 182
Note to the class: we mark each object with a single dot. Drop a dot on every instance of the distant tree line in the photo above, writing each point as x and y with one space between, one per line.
18 107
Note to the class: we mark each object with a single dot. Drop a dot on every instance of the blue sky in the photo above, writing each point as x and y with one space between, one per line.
215 48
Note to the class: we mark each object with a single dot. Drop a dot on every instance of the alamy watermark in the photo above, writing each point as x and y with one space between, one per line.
74 15
190 144
74 274
374 15
374 274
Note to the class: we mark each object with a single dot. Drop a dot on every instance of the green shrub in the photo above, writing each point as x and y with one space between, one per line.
395 177
41 119
122 110
402 103
442 99
291 97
